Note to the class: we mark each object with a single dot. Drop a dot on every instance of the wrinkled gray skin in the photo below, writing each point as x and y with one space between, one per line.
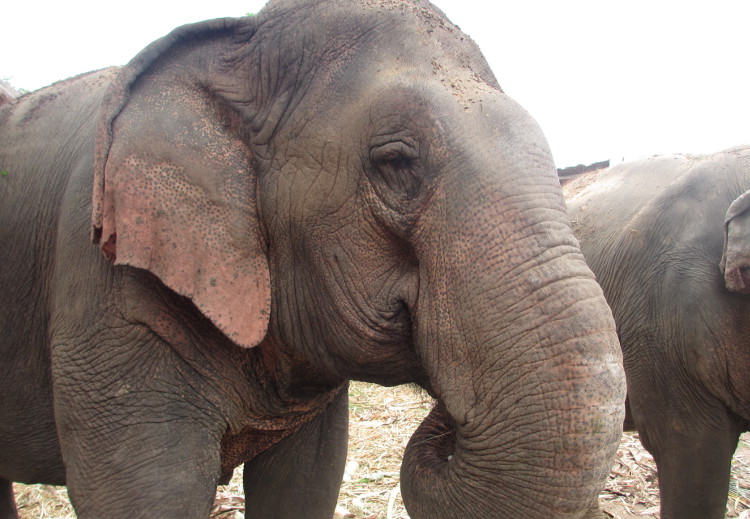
653 232
329 190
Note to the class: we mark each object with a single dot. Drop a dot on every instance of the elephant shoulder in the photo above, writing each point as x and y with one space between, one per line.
605 204
57 105
653 196
47 134
630 210
702 190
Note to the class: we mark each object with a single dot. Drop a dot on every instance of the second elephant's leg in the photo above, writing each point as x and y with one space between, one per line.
693 460
301 475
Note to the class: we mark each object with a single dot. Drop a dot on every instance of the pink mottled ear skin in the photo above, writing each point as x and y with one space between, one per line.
735 261
174 193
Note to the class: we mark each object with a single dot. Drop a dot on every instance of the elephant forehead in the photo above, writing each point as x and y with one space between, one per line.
368 39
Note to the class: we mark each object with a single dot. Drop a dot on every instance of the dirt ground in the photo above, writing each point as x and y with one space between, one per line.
381 422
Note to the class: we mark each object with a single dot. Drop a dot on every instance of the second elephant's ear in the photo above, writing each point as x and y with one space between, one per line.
175 187
735 260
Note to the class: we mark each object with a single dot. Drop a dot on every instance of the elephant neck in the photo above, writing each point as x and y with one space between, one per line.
293 393
298 383
263 433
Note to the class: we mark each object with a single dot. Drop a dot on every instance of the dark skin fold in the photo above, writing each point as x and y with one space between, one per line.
329 190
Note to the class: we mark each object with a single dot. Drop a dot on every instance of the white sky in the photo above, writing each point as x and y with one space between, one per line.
605 79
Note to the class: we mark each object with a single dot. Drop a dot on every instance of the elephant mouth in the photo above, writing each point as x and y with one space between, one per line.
434 441
428 471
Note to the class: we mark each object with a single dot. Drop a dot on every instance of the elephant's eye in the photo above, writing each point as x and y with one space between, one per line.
398 166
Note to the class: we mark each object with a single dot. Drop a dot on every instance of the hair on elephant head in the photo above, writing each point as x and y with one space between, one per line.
326 191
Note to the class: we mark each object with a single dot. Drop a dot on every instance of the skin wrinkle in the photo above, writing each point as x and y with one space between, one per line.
512 405
543 286
362 313
518 308
372 317
115 379
333 211
124 422
79 362
548 445
128 463
197 362
304 74
514 308
528 380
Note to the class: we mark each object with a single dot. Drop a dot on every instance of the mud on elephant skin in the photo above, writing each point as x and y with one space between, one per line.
329 190
669 241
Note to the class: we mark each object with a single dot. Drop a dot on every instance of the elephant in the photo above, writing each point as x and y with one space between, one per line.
203 247
669 241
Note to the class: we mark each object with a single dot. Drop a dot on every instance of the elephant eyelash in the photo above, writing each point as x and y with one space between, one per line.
400 162
401 176
399 167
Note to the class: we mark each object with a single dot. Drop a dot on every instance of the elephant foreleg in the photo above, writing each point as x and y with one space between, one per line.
301 475
694 463
137 433
595 513
7 501
161 471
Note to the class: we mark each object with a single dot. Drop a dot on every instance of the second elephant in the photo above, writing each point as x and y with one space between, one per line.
668 239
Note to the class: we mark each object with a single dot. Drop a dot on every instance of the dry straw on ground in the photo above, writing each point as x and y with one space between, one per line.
381 422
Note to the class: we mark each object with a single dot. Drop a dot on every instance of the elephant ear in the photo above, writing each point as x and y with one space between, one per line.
175 189
735 260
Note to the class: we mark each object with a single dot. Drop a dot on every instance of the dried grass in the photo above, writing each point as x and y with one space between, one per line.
381 422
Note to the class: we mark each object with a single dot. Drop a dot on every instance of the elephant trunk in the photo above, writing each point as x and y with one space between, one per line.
522 354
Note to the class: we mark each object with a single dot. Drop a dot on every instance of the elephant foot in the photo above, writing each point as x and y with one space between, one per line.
596 513
7 501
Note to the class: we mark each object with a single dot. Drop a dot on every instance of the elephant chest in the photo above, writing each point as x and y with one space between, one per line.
244 446
261 433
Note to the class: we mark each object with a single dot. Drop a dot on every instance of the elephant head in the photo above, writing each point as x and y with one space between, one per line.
735 261
346 180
